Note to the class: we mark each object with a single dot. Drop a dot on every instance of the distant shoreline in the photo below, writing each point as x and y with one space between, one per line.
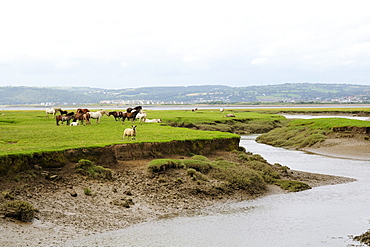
184 106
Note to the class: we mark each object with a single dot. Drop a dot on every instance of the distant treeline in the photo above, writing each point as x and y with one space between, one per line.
288 92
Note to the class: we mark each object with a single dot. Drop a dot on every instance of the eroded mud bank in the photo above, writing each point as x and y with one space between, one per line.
110 155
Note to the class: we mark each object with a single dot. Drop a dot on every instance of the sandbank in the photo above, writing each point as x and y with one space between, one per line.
349 148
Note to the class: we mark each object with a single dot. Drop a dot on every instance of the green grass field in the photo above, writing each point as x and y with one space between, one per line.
30 131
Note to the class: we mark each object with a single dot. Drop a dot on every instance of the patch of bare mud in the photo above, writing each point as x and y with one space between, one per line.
65 212
353 146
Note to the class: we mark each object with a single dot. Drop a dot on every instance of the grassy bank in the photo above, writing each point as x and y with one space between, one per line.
301 133
30 131
249 172
244 122
356 111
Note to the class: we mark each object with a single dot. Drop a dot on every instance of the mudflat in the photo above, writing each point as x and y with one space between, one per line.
65 212
354 147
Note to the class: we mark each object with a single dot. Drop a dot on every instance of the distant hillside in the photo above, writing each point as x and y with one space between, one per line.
288 92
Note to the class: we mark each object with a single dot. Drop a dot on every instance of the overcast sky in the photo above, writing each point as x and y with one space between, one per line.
125 44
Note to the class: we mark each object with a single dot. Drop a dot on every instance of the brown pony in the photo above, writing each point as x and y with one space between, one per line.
129 115
136 108
63 118
115 114
83 117
83 111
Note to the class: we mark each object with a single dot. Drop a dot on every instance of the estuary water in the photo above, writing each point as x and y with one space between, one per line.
181 107
322 216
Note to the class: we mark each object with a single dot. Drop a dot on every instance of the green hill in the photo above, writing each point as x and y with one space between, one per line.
288 92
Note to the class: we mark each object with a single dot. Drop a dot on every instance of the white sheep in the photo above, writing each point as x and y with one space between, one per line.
129 132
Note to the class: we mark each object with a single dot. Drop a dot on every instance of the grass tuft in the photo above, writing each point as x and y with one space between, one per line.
199 165
159 165
20 210
293 186
265 169
87 168
88 192
246 179
363 238
199 157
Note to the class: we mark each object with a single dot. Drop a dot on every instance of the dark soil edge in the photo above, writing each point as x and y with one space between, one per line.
110 155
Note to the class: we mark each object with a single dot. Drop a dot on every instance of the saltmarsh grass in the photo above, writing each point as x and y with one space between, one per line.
301 133
199 165
250 172
293 186
20 210
307 110
30 132
159 165
89 169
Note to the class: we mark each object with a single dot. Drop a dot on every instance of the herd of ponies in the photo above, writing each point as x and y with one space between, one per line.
83 117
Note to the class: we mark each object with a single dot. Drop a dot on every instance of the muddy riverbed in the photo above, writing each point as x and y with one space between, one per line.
65 212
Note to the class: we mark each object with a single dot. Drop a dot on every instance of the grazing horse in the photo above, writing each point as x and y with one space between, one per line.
83 111
136 108
63 118
97 115
63 112
129 115
115 114
49 111
52 111
141 116
83 117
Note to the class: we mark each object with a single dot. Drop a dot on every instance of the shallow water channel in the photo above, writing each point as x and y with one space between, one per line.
322 216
